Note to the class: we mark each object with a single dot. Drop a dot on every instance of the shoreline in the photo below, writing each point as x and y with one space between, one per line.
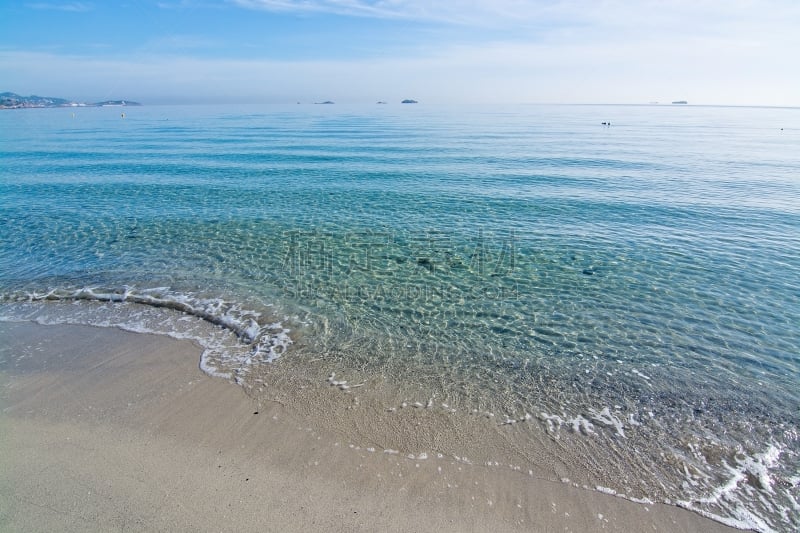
109 430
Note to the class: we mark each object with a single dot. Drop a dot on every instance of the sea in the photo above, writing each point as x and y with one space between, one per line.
610 294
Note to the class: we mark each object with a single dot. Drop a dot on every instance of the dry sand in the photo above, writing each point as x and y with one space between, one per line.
104 430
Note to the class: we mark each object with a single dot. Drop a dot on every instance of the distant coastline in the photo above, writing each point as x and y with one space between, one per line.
10 100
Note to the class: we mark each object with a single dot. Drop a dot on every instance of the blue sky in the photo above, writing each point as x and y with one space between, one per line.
738 52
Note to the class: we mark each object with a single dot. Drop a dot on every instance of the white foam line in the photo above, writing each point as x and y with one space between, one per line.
744 519
210 369
265 344
612 492
606 418
246 328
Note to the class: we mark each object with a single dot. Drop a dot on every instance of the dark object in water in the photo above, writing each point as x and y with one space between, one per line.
425 262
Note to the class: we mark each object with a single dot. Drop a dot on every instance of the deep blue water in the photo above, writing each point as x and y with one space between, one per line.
651 267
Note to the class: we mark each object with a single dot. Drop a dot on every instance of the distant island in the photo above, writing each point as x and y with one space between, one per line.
680 102
326 102
409 101
15 101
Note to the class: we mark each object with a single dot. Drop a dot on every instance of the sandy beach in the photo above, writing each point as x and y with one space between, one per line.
105 430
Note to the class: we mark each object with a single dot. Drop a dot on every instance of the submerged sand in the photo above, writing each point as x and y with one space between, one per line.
105 430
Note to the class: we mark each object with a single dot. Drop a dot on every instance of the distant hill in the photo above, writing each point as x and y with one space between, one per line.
15 101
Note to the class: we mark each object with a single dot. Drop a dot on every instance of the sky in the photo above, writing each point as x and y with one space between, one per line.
725 52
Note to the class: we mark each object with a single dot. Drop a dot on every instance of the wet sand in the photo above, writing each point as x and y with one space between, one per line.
105 430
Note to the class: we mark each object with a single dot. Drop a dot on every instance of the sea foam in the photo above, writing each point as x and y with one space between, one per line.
232 338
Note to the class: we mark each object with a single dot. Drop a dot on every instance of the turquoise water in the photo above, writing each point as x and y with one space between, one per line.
632 289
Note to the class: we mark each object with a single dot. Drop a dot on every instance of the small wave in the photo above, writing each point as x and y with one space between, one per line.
233 338
745 487
747 480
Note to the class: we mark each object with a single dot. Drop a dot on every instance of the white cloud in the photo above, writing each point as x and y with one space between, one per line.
469 12
171 43
717 29
493 72
78 7
631 15
705 51
358 8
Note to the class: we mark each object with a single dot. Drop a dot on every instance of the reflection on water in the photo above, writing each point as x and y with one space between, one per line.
628 295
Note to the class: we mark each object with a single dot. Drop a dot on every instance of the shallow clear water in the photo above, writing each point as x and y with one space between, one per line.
633 289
